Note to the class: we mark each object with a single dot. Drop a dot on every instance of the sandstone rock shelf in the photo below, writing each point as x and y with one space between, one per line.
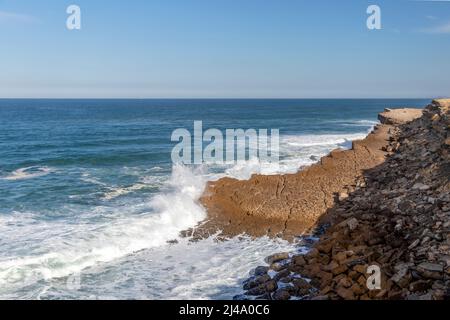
290 205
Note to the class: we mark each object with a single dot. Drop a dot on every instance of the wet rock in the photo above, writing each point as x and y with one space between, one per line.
256 281
261 270
277 257
299 260
257 291
302 287
278 266
271 286
281 294
282 274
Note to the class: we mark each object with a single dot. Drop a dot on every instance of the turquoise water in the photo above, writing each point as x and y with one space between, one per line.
88 193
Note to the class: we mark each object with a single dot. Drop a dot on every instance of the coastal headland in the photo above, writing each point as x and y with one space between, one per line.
382 206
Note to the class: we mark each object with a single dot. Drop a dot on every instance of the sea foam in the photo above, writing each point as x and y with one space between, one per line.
69 248
27 173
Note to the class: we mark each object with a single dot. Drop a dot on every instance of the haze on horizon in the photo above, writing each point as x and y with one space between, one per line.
224 49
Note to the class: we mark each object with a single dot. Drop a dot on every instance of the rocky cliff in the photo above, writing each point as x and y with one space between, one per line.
397 218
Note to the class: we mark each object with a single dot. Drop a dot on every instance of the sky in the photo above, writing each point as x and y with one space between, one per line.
224 49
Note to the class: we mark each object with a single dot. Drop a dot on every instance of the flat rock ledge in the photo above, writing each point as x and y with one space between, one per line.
290 205
399 116
399 221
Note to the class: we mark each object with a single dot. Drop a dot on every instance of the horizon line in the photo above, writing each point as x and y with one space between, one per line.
248 98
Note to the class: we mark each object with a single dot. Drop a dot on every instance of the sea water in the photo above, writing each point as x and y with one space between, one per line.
91 206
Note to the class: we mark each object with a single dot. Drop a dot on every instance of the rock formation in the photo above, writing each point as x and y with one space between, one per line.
398 220
289 205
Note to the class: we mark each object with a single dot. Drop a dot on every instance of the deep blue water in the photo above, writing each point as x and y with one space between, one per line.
88 184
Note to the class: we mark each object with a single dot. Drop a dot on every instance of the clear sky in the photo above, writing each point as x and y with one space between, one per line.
224 49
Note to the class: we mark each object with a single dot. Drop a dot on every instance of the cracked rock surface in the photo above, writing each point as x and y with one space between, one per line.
291 204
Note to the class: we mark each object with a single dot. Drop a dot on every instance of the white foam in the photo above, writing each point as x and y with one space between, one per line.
27 173
63 249
321 140
207 269
145 182
117 192
243 170
296 151
353 123
365 123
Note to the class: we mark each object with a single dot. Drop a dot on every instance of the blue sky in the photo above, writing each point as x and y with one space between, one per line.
224 49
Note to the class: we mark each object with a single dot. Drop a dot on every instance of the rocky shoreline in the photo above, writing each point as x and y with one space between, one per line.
290 205
395 214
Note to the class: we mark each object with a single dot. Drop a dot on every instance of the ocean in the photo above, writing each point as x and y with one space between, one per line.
90 202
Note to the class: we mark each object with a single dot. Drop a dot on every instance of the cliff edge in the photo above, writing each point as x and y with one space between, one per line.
290 205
